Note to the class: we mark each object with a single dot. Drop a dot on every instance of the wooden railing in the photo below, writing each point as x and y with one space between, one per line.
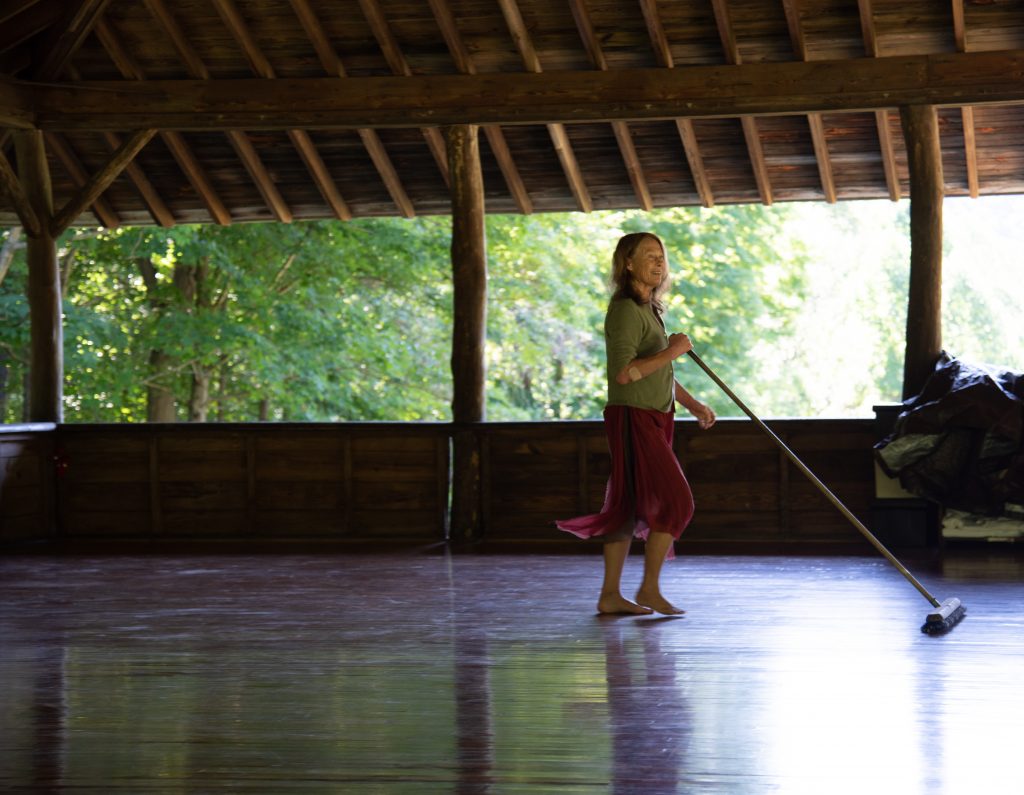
390 481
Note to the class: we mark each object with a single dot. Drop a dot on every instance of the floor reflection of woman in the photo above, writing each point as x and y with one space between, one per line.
647 495
649 719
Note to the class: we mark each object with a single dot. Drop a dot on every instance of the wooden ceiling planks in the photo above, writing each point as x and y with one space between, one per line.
328 172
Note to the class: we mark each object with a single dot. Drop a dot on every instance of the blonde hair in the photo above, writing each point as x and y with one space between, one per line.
622 279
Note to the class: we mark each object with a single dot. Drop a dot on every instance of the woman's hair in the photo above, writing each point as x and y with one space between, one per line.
622 279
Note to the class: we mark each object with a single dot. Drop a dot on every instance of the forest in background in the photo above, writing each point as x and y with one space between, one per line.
800 308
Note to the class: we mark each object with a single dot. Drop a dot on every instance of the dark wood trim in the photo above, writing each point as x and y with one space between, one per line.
924 302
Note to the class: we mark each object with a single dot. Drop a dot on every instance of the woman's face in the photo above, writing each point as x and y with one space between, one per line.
647 265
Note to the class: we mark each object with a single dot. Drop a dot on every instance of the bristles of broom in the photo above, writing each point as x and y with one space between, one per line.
945 617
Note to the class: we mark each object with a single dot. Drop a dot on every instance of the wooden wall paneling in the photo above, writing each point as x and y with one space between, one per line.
202 482
105 488
25 486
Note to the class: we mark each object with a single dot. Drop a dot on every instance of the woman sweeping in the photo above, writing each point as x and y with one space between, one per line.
647 495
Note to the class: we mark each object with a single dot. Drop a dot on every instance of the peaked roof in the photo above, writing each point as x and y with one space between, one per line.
294 109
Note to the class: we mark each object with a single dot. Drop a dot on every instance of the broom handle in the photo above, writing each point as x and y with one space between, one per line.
821 486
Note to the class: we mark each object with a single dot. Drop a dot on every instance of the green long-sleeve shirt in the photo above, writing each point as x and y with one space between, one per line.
631 331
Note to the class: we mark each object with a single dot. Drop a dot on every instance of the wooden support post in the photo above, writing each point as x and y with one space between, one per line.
469 279
46 364
924 303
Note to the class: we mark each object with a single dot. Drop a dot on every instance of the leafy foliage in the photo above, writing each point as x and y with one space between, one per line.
352 321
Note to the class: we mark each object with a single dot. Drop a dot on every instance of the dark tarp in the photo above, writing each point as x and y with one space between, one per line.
959 442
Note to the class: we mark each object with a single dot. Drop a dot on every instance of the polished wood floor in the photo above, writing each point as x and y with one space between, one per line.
432 673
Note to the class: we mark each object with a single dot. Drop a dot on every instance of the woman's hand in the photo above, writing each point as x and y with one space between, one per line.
704 414
679 344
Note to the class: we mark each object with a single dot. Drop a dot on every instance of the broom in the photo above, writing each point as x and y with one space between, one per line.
946 614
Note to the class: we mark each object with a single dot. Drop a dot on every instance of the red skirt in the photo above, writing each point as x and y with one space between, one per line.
647 488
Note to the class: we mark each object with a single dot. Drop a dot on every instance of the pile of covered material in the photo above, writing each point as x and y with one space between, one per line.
960 442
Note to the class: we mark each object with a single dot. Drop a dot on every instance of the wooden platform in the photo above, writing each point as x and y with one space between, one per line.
432 673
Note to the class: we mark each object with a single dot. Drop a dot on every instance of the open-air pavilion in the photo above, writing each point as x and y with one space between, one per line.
392 664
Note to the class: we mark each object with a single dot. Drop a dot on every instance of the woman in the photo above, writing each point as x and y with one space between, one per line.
647 492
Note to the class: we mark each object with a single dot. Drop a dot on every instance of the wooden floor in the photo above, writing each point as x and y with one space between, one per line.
427 672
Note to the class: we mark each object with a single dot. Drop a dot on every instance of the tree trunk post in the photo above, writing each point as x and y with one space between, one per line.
46 363
924 302
469 279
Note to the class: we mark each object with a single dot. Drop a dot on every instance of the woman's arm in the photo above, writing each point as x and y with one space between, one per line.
704 413
638 368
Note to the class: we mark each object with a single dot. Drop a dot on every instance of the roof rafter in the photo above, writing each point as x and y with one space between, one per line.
94 186
371 141
174 141
559 136
399 66
620 128
11 186
749 124
691 147
966 112
239 140
495 137
892 181
78 22
101 208
300 138
814 120
154 204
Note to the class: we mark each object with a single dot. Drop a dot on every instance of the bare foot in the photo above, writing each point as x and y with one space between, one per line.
617 604
657 603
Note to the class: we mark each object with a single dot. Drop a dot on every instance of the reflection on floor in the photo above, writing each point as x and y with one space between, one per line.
422 673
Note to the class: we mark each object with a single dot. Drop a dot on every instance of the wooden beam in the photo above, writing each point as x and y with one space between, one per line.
300 138
970 151
100 181
814 121
265 184
101 209
796 28
967 112
820 141
559 137
687 134
959 26
751 135
150 197
11 187
892 179
15 106
77 24
692 150
46 362
623 136
22 24
371 141
495 137
197 176
13 8
399 66
769 88
469 325
386 169
924 305
175 143
239 140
